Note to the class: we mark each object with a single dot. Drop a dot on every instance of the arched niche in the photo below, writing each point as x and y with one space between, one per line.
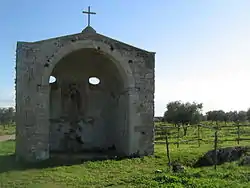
74 105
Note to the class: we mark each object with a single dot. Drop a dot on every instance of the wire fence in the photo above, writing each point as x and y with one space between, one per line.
164 135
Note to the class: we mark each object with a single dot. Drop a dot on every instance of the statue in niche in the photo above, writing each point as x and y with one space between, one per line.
72 101
75 101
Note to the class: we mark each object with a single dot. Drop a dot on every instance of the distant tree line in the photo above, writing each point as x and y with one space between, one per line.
185 114
231 116
7 116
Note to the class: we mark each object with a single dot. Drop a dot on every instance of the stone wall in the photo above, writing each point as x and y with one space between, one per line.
36 61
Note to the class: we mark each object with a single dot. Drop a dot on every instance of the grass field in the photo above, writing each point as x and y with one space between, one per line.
132 172
123 173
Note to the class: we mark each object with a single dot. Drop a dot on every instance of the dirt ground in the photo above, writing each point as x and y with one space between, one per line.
7 137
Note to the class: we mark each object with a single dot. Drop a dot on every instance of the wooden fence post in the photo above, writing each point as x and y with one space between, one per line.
178 137
238 132
215 148
199 144
168 154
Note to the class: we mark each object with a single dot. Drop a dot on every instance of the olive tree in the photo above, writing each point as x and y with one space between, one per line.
183 114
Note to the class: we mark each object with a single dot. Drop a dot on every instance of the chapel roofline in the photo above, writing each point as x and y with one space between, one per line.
87 31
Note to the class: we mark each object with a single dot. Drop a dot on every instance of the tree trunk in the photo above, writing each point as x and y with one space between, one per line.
185 129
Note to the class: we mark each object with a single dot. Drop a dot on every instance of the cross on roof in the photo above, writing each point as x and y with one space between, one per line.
88 12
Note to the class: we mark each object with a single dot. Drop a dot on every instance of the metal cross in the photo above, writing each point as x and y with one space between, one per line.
88 12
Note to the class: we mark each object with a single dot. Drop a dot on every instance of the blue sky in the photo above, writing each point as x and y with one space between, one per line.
202 47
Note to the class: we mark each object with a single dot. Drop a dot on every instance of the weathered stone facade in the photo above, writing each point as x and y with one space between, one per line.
71 115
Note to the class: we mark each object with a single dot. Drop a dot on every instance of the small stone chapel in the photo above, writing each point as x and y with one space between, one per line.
59 109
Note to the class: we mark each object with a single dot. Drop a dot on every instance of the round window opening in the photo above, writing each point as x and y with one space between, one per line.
94 80
52 79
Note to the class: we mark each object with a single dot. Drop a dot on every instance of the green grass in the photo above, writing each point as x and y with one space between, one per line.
123 173
7 129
